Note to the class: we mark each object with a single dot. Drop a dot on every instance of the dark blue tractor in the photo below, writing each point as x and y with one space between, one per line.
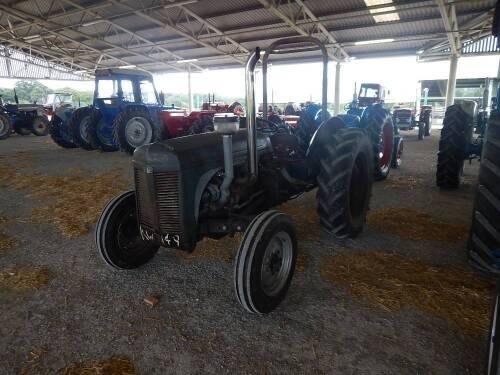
24 119
124 114
367 111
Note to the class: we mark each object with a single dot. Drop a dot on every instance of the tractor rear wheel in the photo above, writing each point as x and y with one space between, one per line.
484 239
426 117
5 127
452 146
40 126
57 134
264 265
381 131
79 125
96 132
134 127
345 182
118 237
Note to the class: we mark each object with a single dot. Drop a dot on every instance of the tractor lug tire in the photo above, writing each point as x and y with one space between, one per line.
55 133
40 126
5 127
452 144
94 130
79 127
484 238
345 182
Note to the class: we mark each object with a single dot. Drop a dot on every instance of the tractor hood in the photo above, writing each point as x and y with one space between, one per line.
194 151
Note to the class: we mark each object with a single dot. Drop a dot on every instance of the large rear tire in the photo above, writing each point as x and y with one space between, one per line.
134 127
5 127
484 239
381 131
22 128
265 262
97 138
345 182
57 134
79 125
452 144
426 118
40 126
118 237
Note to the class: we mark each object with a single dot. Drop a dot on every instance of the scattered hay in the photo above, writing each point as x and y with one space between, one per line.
73 203
402 182
6 241
24 279
302 262
393 282
305 218
111 366
209 249
33 361
415 225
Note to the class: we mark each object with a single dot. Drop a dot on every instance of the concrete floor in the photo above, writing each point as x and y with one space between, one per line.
89 312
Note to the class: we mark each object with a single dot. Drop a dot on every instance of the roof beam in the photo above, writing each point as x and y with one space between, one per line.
449 16
188 17
291 21
148 42
47 25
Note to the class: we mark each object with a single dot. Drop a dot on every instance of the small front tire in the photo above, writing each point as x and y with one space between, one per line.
117 235
265 262
5 127
40 126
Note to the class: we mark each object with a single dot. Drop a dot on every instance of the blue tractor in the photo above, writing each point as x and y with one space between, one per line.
118 92
24 119
367 111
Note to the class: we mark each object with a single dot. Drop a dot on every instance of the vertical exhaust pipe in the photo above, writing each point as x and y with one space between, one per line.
252 61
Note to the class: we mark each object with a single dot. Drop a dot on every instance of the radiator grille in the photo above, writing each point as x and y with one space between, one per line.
145 207
158 206
167 201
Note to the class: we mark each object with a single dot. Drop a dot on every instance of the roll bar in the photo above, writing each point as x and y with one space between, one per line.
252 61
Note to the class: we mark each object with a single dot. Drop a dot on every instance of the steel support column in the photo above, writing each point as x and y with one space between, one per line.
452 80
190 92
336 100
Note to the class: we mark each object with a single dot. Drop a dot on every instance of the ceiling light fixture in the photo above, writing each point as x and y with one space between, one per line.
186 61
375 41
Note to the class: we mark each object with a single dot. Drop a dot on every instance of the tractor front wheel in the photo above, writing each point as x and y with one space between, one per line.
40 126
265 262
345 182
421 130
79 125
397 152
452 144
5 127
118 237
134 128
57 133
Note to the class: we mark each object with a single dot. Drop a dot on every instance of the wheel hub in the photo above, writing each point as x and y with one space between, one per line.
138 131
277 263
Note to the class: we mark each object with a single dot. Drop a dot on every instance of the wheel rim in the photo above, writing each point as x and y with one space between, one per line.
129 240
493 338
84 129
138 131
385 146
277 263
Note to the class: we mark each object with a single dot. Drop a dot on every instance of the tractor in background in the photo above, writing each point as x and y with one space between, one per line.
127 112
59 109
405 119
227 181
24 119
367 111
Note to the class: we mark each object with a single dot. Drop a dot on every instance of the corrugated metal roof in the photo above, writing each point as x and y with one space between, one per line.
153 34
